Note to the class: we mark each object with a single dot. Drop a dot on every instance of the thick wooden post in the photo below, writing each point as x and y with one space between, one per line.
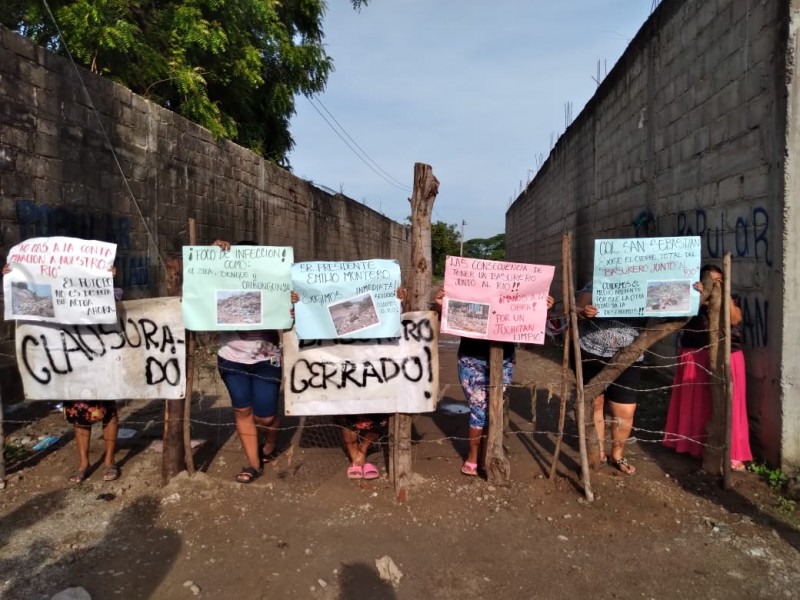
726 369
715 431
187 405
418 297
2 446
566 261
498 469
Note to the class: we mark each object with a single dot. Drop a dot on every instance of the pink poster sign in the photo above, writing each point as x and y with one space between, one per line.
496 300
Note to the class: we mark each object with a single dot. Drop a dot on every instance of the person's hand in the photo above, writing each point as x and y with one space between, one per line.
295 297
698 286
401 293
590 311
439 297
6 269
550 302
223 245
113 271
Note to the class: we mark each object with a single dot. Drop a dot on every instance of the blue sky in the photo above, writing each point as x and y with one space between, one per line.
476 89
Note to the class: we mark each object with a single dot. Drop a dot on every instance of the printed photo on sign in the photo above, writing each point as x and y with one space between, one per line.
467 317
31 300
666 296
235 307
354 314
60 280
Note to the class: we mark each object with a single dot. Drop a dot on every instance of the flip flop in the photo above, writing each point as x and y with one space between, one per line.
355 472
111 473
370 471
77 476
737 465
622 465
470 469
247 475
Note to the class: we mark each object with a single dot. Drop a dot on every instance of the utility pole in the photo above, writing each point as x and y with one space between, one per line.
461 251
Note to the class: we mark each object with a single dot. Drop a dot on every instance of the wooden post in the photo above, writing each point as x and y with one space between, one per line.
173 459
498 469
562 413
187 407
580 400
726 369
418 297
715 431
2 445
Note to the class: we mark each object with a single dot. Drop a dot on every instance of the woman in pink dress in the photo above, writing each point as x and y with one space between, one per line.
690 405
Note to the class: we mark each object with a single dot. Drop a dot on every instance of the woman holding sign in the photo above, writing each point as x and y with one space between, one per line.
473 373
249 364
600 339
690 404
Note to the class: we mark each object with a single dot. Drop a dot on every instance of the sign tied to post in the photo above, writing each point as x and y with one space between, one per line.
646 276
496 300
60 280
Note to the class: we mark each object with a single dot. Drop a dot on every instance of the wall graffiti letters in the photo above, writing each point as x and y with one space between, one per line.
748 238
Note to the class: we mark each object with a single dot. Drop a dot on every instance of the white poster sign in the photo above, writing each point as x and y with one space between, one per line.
142 355
359 376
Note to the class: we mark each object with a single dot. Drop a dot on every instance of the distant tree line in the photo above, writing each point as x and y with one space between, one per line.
446 241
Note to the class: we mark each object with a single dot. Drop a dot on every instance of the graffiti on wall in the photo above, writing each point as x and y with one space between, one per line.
43 220
749 237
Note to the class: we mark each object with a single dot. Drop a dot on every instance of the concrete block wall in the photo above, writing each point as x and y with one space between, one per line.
58 176
690 128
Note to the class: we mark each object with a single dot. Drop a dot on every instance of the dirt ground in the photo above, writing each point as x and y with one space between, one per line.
304 531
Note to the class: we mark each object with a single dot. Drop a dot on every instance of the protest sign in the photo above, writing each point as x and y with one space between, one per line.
245 288
358 376
142 355
60 280
496 300
353 299
646 277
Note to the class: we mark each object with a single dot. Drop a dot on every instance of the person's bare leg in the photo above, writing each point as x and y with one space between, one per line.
82 435
350 438
600 424
248 435
475 435
620 432
363 446
270 426
110 431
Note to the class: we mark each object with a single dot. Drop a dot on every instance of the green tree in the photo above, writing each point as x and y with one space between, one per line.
493 248
445 242
233 66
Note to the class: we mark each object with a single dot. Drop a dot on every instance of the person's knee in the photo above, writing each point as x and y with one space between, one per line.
266 421
244 413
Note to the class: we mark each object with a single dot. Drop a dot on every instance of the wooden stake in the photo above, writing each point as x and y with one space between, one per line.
562 413
715 431
418 297
190 364
498 469
2 446
726 369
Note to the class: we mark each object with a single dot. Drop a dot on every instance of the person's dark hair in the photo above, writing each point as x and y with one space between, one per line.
246 243
710 269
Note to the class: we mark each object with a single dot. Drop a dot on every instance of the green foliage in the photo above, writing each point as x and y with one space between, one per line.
233 66
445 240
775 477
493 248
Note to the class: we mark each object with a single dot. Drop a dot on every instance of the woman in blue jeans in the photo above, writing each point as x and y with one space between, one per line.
250 366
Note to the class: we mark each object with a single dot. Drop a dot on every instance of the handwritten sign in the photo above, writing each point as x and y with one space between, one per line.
142 355
60 280
353 299
357 376
246 288
496 300
646 276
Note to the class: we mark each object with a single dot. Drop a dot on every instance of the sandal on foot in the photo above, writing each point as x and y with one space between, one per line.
77 476
111 473
247 474
370 471
622 465
355 472
738 465
470 469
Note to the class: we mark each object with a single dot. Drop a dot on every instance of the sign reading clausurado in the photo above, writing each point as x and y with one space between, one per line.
496 300
646 276
358 376
347 299
141 356
60 280
245 288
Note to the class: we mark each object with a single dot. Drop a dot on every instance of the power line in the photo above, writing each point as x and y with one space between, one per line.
378 171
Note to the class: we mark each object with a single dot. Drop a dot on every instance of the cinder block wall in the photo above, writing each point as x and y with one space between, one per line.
58 176
687 136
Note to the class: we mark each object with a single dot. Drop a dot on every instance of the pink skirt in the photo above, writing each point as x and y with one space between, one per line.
690 406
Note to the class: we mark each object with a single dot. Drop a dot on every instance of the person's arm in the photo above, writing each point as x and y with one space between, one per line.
584 306
6 269
438 301
736 314
223 245
401 295
550 302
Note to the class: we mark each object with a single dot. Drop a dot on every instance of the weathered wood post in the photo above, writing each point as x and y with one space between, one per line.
187 405
418 297
715 431
2 445
562 413
726 364
498 469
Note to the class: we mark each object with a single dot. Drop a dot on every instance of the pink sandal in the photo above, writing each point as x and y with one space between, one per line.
470 469
355 472
370 471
